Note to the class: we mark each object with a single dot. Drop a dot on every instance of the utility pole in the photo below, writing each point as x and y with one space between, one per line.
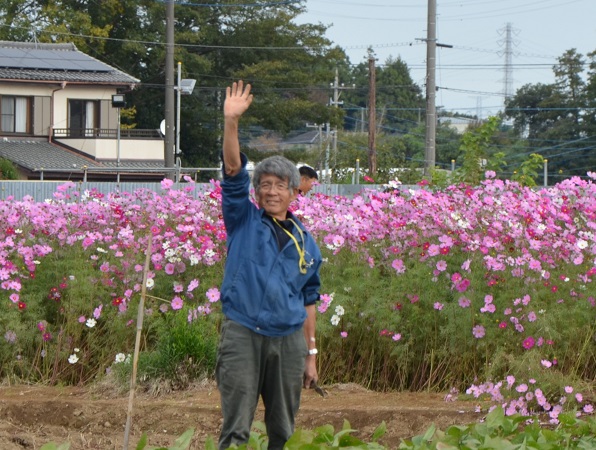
169 143
335 102
431 110
372 111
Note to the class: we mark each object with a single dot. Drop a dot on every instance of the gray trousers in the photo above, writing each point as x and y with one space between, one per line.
250 365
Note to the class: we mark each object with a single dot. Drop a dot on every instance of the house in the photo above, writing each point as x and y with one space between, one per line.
459 124
60 114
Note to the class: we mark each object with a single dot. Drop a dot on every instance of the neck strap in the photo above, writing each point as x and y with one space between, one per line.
301 252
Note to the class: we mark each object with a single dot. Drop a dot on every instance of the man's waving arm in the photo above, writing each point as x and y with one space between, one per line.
238 99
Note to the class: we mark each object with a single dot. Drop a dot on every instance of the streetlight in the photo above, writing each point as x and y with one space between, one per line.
118 101
184 87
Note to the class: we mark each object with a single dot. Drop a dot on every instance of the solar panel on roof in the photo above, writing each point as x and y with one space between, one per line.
30 58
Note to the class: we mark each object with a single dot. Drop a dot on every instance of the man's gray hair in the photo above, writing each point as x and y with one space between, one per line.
280 167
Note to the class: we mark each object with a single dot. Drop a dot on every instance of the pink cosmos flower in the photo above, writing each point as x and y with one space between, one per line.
166 183
478 332
177 303
398 265
438 306
192 285
396 337
464 302
463 285
528 343
344 334
213 294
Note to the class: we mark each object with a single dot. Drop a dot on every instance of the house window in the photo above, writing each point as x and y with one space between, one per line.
15 113
83 117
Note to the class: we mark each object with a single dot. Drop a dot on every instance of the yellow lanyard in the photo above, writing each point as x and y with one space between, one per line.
301 252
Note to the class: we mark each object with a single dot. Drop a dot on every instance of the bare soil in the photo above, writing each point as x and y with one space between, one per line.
92 418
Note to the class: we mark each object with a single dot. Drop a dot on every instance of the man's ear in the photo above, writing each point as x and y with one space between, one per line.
295 194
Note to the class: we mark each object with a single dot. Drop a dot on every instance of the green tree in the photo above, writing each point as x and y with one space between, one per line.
557 120
399 100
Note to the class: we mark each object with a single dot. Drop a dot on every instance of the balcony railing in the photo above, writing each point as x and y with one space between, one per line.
105 133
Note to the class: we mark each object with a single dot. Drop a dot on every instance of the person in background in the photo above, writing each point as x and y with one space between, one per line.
270 287
308 176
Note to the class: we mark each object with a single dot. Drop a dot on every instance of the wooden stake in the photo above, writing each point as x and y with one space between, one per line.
135 360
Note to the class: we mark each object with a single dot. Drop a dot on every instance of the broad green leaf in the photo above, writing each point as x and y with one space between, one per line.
379 431
183 442
210 444
142 442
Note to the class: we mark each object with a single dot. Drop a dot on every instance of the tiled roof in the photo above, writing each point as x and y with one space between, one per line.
310 137
38 154
56 62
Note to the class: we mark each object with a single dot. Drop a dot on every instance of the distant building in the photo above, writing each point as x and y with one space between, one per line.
59 119
459 124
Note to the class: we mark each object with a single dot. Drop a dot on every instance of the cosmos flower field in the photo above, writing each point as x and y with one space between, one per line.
483 292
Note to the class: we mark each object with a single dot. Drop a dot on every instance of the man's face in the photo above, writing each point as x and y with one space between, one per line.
306 184
274 196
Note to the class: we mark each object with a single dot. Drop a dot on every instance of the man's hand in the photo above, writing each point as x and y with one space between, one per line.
238 99
310 372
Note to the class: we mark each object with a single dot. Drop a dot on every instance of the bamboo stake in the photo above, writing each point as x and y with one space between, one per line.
135 361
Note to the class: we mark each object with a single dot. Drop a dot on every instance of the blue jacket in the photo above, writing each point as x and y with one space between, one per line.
263 288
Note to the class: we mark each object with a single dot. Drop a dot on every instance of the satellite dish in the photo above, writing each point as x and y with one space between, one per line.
162 127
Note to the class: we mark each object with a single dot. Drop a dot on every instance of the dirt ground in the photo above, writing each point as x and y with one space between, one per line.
92 418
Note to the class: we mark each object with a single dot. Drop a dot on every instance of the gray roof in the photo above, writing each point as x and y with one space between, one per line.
33 61
38 154
310 137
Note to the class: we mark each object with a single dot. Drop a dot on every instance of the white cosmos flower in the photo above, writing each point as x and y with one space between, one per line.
150 283
120 357
91 323
73 359
335 320
339 310
581 244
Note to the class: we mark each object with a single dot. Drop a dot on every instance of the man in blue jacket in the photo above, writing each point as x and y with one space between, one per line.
270 286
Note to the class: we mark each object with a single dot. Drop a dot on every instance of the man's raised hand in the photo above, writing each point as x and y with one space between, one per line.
238 99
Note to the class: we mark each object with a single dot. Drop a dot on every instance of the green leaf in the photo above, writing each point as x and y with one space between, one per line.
428 435
183 442
142 442
210 444
299 439
54 446
379 431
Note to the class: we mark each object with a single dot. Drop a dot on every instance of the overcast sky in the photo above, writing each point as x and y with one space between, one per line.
471 75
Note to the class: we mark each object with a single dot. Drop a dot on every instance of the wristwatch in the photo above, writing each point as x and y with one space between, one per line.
313 351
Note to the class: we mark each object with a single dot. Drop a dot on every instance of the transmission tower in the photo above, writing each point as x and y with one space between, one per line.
509 42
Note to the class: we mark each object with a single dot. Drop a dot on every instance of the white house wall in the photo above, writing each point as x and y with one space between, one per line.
62 96
107 149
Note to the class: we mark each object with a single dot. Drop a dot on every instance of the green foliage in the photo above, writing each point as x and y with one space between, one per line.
475 145
53 446
184 351
499 431
7 170
553 116
528 171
